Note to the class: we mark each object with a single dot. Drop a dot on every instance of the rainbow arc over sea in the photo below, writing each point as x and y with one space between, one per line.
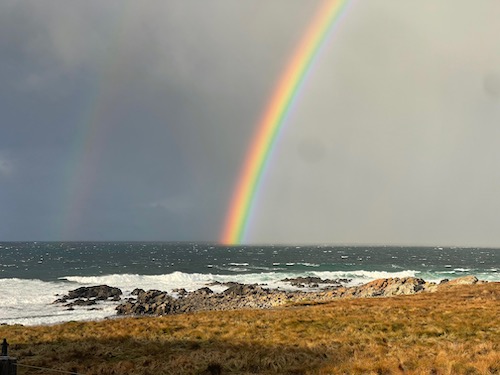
274 117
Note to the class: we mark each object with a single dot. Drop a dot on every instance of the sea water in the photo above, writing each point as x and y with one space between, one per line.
34 274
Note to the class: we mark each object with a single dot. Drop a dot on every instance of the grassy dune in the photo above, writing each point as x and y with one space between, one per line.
453 331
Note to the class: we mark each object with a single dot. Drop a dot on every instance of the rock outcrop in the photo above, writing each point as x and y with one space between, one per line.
89 295
99 292
465 280
241 296
392 287
235 297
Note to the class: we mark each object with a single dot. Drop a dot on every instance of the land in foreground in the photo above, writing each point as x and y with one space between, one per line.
455 330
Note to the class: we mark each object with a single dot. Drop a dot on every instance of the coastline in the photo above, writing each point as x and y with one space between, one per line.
31 283
451 330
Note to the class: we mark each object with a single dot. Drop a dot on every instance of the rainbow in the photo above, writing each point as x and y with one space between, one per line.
81 170
274 117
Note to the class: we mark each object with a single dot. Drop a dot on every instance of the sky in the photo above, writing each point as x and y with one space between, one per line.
130 121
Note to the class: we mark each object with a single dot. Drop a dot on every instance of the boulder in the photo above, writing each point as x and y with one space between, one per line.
203 291
390 287
465 280
180 291
242 289
100 292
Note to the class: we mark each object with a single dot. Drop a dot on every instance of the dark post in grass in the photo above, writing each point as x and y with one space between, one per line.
8 365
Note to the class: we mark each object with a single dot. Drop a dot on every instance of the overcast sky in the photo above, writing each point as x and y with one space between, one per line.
127 120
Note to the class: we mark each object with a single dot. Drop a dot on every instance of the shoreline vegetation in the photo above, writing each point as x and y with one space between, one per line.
411 327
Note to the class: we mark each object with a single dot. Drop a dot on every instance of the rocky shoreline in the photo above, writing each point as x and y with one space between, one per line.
241 296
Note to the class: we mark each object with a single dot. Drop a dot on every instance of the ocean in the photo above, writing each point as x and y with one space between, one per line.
34 274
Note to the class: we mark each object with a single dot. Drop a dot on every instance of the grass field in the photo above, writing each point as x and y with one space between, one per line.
453 331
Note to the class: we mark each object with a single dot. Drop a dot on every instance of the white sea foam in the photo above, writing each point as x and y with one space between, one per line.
29 302
309 264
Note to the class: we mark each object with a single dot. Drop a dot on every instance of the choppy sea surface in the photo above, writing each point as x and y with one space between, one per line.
33 274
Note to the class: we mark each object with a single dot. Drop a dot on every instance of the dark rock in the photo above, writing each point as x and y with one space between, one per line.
81 302
312 282
242 289
87 296
228 284
180 291
99 292
153 293
152 302
61 300
203 291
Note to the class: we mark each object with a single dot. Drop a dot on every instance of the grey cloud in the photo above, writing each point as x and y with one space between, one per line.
393 138
6 166
178 204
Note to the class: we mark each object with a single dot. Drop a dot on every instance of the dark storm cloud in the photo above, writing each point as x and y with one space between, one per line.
183 84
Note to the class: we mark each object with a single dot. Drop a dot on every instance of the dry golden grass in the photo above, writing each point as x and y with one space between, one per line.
453 331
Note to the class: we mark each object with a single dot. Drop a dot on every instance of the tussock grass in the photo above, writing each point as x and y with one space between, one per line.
453 331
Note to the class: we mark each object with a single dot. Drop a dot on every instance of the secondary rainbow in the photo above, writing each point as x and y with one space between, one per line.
274 117
93 129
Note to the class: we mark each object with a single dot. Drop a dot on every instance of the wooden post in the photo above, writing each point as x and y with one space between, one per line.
8 365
